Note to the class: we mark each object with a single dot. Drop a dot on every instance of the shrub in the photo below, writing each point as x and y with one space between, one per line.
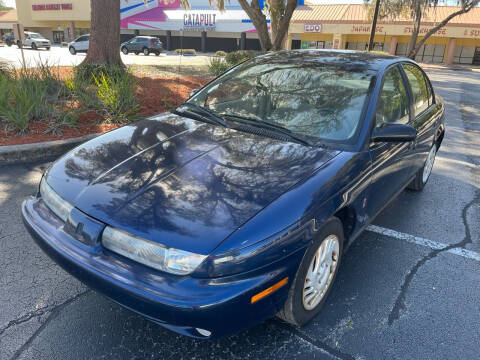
117 96
84 72
236 57
217 66
221 53
185 51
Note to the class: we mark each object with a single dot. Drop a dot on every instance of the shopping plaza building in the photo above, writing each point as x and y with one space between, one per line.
313 26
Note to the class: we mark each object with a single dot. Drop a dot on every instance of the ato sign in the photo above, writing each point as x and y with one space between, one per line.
199 21
312 28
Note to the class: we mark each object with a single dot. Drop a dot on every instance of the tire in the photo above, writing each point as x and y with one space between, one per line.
124 50
19 44
34 46
136 52
422 176
146 52
299 310
48 48
72 50
157 53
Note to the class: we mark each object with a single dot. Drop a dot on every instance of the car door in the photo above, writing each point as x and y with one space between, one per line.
425 112
27 41
135 45
86 43
80 44
391 161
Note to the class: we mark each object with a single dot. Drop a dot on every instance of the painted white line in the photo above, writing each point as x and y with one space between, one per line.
468 254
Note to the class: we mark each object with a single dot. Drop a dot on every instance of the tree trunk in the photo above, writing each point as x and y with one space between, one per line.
411 52
259 21
278 34
104 47
438 27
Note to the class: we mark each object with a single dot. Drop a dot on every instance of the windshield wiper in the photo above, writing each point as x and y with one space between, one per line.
201 113
269 126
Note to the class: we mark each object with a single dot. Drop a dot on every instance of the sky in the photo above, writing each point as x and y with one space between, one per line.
10 3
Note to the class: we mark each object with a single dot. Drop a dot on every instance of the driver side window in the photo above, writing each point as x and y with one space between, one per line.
392 105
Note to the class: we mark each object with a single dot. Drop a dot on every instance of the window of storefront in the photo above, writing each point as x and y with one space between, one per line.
362 46
429 53
319 44
476 57
464 54
58 37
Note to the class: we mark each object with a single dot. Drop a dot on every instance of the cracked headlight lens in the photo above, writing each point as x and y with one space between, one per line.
150 253
54 202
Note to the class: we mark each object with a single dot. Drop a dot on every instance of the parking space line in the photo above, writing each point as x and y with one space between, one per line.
468 254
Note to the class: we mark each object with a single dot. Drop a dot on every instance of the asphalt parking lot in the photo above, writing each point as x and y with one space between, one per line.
409 288
60 56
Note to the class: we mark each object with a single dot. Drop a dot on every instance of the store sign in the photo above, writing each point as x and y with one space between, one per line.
42 7
312 28
199 21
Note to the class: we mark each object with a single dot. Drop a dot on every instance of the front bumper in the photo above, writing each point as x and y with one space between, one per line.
181 303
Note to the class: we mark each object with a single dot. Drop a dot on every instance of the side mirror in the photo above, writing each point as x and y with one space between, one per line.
193 92
394 133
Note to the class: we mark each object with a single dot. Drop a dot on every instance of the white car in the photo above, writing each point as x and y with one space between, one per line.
34 40
80 44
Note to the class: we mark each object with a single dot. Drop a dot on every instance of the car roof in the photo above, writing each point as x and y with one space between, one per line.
356 60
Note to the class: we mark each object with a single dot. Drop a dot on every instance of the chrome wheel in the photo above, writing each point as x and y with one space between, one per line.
427 169
320 272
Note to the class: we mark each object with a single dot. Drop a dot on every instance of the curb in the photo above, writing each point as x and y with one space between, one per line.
27 153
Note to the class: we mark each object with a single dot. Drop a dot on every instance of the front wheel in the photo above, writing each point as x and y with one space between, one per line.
422 176
125 50
315 276
146 52
72 50
48 48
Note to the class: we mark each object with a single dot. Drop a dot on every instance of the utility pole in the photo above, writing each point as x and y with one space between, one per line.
374 25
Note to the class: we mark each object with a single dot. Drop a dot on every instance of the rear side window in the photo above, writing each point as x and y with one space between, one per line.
392 105
420 88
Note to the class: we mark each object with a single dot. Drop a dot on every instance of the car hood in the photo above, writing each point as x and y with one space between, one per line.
180 182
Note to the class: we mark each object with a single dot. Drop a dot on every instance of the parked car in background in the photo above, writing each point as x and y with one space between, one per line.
238 205
142 44
34 40
80 44
9 39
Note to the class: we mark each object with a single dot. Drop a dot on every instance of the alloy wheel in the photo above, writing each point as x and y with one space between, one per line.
427 169
321 272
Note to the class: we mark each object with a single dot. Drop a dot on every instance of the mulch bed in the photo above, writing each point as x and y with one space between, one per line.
156 94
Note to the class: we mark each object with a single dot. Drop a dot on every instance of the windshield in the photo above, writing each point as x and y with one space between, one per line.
312 99
36 36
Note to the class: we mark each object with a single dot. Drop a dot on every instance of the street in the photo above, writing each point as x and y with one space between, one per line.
408 288
59 56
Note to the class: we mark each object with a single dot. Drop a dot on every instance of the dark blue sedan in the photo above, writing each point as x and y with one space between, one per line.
239 204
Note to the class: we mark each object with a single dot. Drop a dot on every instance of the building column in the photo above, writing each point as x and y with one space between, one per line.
337 41
72 31
451 51
393 45
169 40
204 41
243 41
288 43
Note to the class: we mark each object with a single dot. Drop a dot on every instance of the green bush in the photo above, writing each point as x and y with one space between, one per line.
221 53
185 51
86 72
217 66
236 57
117 96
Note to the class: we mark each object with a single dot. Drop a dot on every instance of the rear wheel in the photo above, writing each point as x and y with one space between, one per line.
34 46
315 276
146 52
157 53
124 50
48 48
423 174
72 50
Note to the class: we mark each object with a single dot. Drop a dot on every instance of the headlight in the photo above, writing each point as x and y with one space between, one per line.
54 202
150 253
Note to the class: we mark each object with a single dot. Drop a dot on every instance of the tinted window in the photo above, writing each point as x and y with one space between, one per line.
392 105
420 89
82 38
316 100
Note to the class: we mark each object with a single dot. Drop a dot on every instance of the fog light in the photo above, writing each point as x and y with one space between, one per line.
203 332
